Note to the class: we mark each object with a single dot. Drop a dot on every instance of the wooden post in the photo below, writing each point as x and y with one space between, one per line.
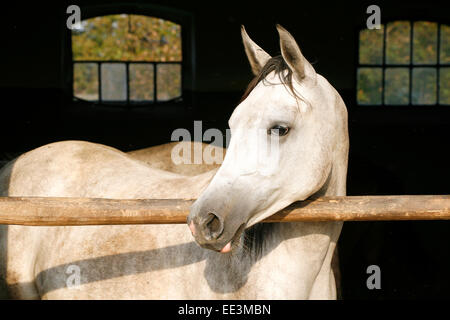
34 211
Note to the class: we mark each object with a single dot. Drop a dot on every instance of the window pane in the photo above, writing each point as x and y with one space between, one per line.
85 81
398 42
114 82
369 86
168 81
444 86
396 88
127 37
424 86
371 46
445 44
425 42
141 82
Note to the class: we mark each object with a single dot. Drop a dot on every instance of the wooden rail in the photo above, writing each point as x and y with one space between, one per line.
33 211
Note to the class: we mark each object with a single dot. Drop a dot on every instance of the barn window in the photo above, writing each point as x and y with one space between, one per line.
127 59
404 63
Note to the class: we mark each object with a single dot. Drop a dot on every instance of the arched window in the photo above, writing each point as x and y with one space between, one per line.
127 59
404 63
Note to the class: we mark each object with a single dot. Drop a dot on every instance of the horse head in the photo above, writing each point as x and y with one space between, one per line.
289 141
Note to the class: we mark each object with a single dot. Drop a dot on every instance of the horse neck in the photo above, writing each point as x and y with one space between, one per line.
336 183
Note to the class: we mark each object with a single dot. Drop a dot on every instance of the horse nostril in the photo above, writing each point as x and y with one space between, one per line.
213 226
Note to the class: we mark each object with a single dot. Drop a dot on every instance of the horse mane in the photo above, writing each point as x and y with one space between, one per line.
281 69
255 238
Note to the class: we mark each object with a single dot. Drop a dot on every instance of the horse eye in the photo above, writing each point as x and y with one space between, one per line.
278 130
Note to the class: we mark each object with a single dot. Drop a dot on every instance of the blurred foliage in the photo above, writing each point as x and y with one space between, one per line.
445 44
85 81
371 46
141 82
369 86
425 42
398 36
398 43
126 37
424 82
444 79
396 86
168 81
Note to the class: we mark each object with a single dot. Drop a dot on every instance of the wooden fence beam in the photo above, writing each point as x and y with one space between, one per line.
34 211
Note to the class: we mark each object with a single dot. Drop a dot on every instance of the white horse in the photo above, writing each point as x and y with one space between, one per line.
288 101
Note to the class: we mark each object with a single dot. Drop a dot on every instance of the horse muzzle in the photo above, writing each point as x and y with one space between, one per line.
213 230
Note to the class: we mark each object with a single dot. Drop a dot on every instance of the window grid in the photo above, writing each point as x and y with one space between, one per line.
410 66
127 79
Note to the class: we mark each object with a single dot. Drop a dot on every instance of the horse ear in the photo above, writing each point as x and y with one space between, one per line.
293 56
256 56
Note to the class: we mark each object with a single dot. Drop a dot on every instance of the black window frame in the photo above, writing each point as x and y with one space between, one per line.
127 64
188 77
383 66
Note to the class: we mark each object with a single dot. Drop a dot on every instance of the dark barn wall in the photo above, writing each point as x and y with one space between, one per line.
397 150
